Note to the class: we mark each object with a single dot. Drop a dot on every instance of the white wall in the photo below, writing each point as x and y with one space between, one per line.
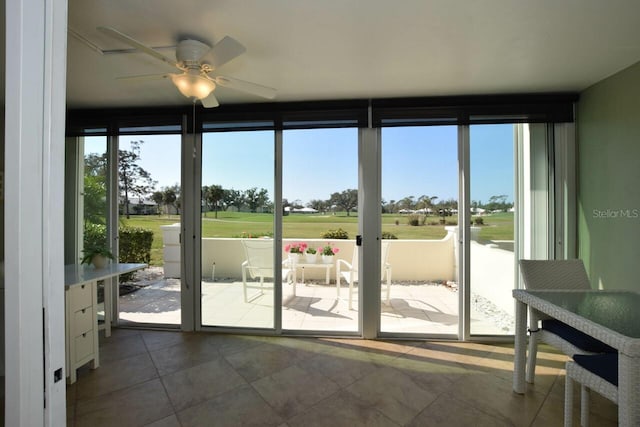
409 259
34 178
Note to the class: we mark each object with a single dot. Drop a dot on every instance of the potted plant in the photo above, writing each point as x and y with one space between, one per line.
327 252
295 250
310 255
96 255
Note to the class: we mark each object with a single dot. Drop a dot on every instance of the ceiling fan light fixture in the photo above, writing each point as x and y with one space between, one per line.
193 85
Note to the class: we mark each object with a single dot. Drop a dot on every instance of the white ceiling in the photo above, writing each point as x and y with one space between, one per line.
350 49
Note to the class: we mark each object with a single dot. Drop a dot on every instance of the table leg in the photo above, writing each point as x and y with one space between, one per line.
519 357
628 390
327 280
295 280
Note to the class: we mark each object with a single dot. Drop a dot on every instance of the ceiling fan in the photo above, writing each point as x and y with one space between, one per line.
194 80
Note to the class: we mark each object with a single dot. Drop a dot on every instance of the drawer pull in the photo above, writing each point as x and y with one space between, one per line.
82 286
84 335
84 310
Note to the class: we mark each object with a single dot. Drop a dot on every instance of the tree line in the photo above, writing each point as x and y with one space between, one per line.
135 181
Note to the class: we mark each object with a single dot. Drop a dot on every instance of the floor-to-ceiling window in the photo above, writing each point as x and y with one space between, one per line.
93 205
492 258
149 217
270 194
319 227
419 258
237 223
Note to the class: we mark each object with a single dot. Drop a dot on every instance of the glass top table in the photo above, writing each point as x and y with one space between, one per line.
615 310
613 317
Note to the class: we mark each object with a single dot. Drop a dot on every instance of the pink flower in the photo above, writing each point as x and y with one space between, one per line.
287 248
328 250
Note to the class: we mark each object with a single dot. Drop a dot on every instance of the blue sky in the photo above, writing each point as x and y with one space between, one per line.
415 161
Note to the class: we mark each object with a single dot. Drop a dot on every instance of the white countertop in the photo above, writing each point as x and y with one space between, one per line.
80 274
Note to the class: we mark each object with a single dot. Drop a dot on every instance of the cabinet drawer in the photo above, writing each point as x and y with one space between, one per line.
84 345
80 297
83 321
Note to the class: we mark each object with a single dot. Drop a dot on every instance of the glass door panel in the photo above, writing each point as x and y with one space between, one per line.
94 202
320 220
149 208
419 225
492 259
237 223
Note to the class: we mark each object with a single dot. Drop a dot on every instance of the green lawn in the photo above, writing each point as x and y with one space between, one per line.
239 224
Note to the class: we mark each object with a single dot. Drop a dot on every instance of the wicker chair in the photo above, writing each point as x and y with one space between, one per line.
596 372
556 275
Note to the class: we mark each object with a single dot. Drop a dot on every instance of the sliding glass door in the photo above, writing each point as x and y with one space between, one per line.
149 222
492 178
237 222
319 227
419 256
433 283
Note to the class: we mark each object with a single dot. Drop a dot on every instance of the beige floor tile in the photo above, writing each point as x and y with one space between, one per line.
227 344
170 421
182 356
341 410
393 393
603 412
121 347
314 382
494 396
155 340
195 385
340 366
430 374
261 361
239 407
134 406
292 390
116 375
447 411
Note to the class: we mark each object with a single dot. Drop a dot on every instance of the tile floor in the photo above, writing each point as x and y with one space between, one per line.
157 378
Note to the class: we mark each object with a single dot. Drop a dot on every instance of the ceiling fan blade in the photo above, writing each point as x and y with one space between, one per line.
225 50
253 88
210 101
84 40
136 44
143 77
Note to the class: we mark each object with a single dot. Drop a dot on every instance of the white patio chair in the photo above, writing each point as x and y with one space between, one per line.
594 372
259 265
558 275
349 271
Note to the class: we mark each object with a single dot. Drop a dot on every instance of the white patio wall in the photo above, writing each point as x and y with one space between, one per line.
492 268
409 259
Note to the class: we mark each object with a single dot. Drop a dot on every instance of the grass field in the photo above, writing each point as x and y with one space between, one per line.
238 224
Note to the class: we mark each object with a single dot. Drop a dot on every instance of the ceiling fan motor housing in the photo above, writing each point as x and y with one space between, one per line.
189 52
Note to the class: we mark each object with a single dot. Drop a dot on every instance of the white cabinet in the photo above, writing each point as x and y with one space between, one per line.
81 328
81 306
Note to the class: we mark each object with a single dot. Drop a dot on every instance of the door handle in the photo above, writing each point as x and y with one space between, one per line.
358 240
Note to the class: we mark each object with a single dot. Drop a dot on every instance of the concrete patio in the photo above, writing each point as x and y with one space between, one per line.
414 307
